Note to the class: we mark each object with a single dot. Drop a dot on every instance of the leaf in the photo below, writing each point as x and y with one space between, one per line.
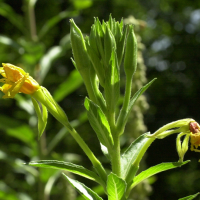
190 197
137 95
115 187
124 114
99 123
129 156
86 192
16 129
76 169
7 12
73 81
155 170
55 20
42 116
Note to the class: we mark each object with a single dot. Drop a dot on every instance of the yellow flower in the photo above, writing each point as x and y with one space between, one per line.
16 80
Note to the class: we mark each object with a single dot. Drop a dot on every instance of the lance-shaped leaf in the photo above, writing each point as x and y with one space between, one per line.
137 148
190 197
42 116
124 114
76 169
86 192
115 187
155 170
99 123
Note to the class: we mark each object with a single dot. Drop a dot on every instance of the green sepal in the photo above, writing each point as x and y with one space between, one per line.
42 115
130 59
76 169
116 187
99 123
85 191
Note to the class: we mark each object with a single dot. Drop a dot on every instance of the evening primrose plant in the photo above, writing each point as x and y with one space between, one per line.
99 58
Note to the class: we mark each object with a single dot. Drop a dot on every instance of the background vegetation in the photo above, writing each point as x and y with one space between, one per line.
35 35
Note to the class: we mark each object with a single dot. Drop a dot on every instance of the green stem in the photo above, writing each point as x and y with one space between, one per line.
44 97
120 120
31 14
115 157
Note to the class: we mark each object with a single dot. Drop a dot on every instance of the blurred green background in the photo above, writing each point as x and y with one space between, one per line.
35 35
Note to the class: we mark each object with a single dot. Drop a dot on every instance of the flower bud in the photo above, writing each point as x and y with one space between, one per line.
130 60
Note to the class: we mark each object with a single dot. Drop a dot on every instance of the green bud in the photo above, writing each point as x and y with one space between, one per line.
81 58
121 43
109 45
79 49
96 62
130 60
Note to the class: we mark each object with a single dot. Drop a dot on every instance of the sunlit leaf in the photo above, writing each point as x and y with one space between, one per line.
99 123
76 169
190 197
116 187
86 192
155 170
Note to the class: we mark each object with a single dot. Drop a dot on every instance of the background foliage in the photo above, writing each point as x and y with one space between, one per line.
171 36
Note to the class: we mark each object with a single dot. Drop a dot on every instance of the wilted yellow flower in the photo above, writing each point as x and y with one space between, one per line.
195 136
16 80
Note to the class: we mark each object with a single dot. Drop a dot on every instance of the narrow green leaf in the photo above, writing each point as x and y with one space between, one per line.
190 197
72 82
7 12
42 116
115 187
129 156
99 123
155 170
138 94
76 169
86 192
54 21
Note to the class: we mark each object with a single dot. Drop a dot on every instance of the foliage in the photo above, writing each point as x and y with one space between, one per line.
166 21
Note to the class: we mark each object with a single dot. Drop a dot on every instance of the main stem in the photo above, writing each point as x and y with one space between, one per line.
115 157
